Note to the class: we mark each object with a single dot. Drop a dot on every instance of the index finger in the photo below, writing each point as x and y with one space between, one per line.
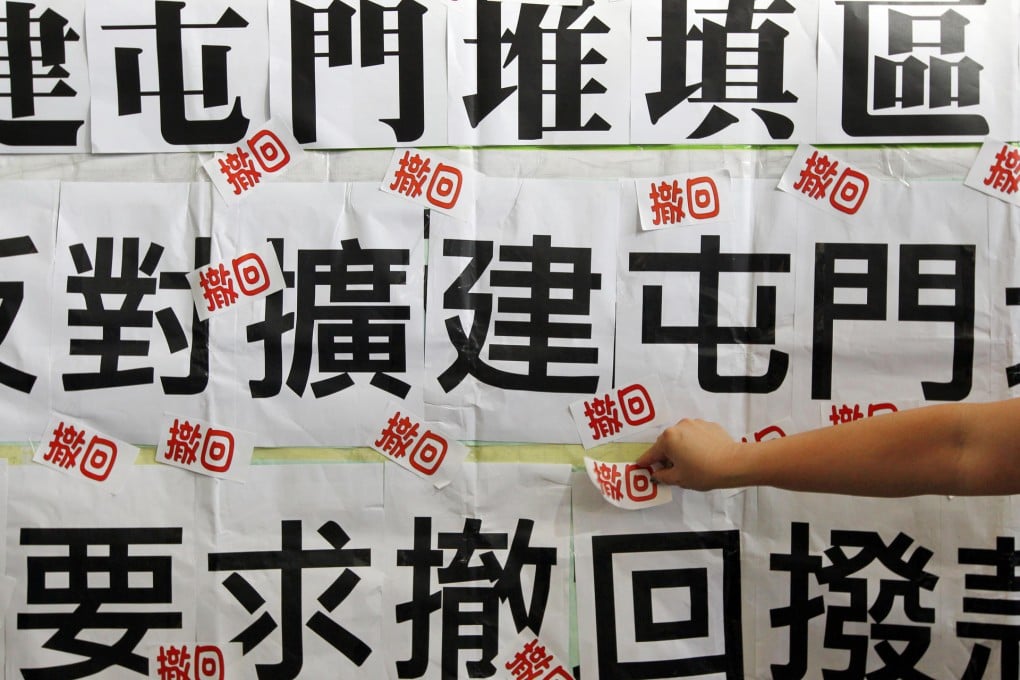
656 453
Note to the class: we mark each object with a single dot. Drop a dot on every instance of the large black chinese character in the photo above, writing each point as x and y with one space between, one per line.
409 52
1004 558
291 560
911 282
130 580
12 294
539 306
756 77
28 66
904 81
470 606
358 330
621 657
175 125
131 289
527 47
708 334
899 646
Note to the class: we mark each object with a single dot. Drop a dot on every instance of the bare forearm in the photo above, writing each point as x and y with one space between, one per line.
964 449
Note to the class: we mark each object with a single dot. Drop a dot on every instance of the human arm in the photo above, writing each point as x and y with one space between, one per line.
957 449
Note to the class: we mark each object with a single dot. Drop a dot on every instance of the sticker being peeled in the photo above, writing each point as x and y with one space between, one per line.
627 485
249 276
425 450
825 181
268 152
683 200
77 449
996 171
432 182
625 410
529 659
205 448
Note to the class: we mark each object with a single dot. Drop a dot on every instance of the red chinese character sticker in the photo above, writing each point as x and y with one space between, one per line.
221 286
423 448
77 449
996 171
683 200
619 412
266 153
431 181
826 181
205 448
626 485
531 659
189 661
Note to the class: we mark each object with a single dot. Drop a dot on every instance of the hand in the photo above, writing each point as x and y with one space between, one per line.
694 454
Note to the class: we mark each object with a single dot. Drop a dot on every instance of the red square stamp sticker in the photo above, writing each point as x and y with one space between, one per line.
424 448
78 449
432 182
222 286
266 153
683 200
622 411
205 448
826 181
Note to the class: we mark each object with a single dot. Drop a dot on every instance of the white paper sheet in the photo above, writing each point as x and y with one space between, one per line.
307 539
491 518
176 76
130 555
566 83
126 345
929 551
28 213
519 320
710 310
890 297
357 260
359 74
45 107
916 71
658 589
711 72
